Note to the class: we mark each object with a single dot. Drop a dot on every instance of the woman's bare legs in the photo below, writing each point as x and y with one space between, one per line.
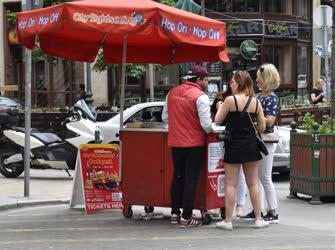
232 172
241 191
250 170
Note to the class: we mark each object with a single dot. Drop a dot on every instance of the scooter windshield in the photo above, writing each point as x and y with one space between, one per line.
90 113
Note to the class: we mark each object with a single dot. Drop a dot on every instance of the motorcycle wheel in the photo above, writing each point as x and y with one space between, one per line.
12 170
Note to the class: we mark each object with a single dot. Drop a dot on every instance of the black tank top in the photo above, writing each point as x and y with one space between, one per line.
238 122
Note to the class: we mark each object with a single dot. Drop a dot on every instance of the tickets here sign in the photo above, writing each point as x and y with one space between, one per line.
100 176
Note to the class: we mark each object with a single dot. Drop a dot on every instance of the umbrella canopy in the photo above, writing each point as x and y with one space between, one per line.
156 33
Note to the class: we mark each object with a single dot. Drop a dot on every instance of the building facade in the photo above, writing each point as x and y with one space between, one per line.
282 31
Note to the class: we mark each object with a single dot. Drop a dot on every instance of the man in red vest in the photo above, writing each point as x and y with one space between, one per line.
187 110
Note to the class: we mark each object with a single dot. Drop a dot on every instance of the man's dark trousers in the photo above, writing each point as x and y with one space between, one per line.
187 164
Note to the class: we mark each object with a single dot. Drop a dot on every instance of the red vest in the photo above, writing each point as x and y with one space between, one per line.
184 124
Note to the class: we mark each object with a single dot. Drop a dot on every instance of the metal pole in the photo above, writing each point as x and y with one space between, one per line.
123 78
151 82
202 7
89 94
26 5
325 49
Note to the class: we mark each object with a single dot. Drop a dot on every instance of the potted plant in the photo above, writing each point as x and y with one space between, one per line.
312 159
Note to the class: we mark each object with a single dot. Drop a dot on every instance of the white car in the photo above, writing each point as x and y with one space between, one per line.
281 157
151 111
7 102
143 112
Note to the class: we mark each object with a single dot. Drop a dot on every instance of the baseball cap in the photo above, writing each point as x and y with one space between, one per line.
196 71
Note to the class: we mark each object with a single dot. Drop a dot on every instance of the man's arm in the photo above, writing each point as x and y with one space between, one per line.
315 98
203 107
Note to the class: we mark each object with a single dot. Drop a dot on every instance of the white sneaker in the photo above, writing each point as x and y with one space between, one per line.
239 211
224 225
261 223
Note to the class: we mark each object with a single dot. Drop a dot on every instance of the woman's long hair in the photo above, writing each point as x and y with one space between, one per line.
245 84
224 94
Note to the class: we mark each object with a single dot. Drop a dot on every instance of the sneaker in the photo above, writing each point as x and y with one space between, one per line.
272 219
175 219
192 222
224 225
261 223
239 211
250 216
214 212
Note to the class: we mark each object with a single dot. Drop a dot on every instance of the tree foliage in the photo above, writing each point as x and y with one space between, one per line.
167 2
11 17
133 70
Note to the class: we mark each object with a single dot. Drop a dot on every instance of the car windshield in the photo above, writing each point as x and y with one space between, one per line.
133 110
89 112
7 102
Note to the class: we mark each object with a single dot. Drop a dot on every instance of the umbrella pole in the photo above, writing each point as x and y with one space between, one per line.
123 78
123 82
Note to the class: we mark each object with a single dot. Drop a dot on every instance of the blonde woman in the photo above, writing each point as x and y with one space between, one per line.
268 80
242 149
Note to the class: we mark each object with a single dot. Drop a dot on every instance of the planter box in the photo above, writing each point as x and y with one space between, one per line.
312 165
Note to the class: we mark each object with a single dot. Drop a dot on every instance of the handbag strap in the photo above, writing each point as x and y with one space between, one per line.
252 123
247 105
235 103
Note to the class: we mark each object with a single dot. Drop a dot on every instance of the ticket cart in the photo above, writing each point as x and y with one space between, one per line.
147 170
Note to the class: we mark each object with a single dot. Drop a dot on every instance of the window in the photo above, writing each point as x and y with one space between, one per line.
233 5
279 6
150 114
252 6
282 57
58 87
302 66
303 9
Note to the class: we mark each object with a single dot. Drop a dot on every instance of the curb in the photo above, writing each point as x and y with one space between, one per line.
29 203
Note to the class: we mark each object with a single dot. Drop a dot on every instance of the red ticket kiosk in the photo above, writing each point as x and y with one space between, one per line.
147 171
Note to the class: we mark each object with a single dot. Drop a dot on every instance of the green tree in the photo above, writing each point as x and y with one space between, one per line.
167 2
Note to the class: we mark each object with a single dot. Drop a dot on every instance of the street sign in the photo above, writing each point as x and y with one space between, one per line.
318 16
318 50
9 88
248 49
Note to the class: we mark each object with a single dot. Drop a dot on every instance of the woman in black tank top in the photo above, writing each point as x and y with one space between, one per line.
242 149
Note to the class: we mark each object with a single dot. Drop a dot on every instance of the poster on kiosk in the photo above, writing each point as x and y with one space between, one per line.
215 191
100 176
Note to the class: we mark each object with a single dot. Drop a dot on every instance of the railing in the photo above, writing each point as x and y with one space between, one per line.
286 116
312 164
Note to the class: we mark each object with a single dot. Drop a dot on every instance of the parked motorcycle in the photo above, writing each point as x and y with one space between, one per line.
48 150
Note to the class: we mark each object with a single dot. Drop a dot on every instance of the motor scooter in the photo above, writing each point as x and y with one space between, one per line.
48 150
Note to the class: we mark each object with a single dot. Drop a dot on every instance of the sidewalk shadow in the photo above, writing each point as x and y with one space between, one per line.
47 178
284 177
